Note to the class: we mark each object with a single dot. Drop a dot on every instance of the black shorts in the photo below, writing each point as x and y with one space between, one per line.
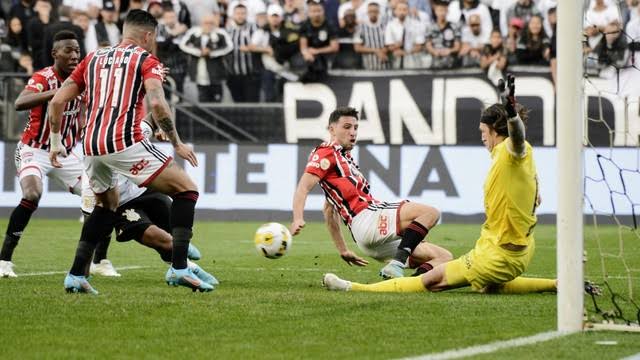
150 208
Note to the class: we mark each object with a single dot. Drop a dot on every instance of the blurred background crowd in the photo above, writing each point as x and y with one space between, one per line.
252 47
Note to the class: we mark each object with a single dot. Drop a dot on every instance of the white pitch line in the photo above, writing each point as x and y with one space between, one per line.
632 357
43 273
491 347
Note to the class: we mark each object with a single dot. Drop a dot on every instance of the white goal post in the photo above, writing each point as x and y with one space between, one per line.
569 122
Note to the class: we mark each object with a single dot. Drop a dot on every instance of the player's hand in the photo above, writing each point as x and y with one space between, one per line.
353 259
186 152
508 94
296 227
56 148
160 135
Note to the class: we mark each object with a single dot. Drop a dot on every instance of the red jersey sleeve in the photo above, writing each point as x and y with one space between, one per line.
78 73
321 161
152 68
37 83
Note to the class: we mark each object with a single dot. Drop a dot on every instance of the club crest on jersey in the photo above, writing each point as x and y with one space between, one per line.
131 215
139 166
324 164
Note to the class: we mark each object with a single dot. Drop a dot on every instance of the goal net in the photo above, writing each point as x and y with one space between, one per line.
612 170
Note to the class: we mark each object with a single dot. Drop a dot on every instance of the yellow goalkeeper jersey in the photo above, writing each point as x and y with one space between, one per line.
510 193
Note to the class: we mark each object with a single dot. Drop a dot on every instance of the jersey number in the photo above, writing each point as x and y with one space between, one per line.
104 79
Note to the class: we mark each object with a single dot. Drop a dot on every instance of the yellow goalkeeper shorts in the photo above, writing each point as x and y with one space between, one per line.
487 264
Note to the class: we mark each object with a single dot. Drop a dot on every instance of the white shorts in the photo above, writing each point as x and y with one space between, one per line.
127 191
140 163
376 228
32 161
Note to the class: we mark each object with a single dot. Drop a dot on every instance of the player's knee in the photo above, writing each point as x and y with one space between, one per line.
32 195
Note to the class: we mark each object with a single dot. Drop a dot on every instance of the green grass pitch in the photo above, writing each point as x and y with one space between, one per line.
274 309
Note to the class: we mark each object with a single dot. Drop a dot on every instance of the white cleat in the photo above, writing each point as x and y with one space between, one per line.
6 269
105 268
333 282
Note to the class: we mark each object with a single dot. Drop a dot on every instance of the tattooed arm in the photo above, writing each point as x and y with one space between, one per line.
161 113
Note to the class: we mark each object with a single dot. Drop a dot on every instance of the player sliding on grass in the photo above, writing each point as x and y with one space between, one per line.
32 160
506 242
116 80
384 231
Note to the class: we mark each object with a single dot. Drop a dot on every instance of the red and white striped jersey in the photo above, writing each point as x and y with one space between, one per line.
36 133
341 180
114 80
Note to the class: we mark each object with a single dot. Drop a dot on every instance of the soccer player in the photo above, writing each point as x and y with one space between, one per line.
384 231
506 242
117 80
32 161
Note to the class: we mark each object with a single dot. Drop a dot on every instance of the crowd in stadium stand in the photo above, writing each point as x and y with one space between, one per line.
254 46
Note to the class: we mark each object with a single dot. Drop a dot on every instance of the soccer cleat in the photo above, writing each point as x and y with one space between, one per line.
393 269
6 269
78 284
104 268
193 253
202 275
186 277
334 283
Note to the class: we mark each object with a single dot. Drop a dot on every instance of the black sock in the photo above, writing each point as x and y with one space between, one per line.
413 235
182 211
17 222
101 250
423 268
98 226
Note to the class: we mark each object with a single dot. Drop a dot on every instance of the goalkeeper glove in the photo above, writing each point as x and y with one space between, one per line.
508 94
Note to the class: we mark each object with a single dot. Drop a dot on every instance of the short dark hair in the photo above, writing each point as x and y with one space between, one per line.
64 35
342 111
495 116
137 17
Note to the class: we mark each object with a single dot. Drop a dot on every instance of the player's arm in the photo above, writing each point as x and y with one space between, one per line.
306 183
515 125
332 220
29 99
161 113
67 92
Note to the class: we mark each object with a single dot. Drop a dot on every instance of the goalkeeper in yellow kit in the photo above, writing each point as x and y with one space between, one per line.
506 244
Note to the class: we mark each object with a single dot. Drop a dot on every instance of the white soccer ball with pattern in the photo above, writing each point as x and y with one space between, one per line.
272 240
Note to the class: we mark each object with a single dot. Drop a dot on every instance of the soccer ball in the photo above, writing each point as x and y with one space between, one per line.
272 240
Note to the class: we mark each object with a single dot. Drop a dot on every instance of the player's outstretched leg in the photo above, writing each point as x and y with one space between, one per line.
186 277
401 284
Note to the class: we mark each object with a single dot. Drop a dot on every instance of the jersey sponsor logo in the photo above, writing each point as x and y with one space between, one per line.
383 225
157 70
313 164
139 166
324 164
131 215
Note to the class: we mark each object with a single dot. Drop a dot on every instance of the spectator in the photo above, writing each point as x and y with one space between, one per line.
419 6
553 63
90 7
294 14
23 10
533 46
494 57
522 9
17 36
82 20
170 33
8 62
254 7
318 40
36 29
598 16
443 40
207 45
359 9
155 8
347 57
545 7
469 8
244 69
266 42
513 36
472 41
198 8
181 9
107 29
404 37
632 31
25 64
370 40
64 23
613 49
284 42
133 5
